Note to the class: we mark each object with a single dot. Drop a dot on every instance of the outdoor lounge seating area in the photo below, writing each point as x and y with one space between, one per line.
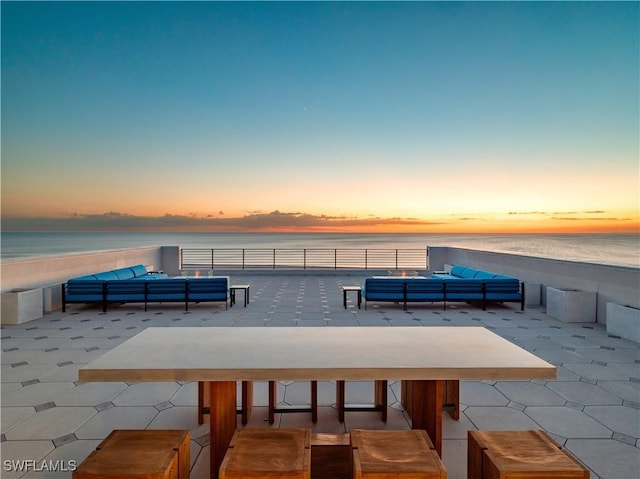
590 409
136 285
461 284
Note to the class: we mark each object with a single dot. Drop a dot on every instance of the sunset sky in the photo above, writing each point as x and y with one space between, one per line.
330 116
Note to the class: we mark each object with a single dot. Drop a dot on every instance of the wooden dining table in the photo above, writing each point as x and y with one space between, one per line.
222 356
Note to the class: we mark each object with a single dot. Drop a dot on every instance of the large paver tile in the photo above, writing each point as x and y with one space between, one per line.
567 422
141 394
18 451
51 423
67 456
177 417
608 458
598 372
454 457
621 419
493 418
102 423
583 393
475 393
529 393
11 416
90 394
625 390
35 394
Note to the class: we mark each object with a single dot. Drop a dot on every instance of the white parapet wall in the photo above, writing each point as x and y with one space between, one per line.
623 321
616 284
46 273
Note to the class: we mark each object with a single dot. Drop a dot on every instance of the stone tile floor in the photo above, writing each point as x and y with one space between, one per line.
47 416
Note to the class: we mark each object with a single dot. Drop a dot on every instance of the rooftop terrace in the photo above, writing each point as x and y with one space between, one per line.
592 408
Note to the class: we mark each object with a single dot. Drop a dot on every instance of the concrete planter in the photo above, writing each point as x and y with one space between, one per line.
571 306
21 305
623 321
531 294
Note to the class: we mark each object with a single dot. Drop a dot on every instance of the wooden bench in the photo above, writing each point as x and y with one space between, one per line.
130 454
518 454
268 454
383 454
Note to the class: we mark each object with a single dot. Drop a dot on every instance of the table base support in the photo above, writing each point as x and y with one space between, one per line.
222 421
426 409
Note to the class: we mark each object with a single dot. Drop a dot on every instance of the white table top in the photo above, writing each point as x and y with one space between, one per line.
315 353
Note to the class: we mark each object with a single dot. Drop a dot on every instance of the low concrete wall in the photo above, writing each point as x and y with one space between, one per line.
45 271
613 284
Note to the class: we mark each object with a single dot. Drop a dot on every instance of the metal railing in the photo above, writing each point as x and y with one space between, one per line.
264 258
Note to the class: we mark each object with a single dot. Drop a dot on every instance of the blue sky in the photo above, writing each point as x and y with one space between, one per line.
421 116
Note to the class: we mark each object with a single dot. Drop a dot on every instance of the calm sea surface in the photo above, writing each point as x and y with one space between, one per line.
613 249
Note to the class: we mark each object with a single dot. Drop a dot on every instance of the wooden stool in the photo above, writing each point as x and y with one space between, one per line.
268 453
245 408
148 454
519 454
273 399
380 398
382 454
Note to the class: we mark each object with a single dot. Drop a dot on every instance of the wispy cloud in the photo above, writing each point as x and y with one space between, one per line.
259 221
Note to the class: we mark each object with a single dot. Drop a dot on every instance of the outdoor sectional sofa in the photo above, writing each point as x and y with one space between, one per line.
461 284
136 285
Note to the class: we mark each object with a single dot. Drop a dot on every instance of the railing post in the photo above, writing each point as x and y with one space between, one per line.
274 258
212 259
396 259
242 258
335 258
304 258
426 259
366 259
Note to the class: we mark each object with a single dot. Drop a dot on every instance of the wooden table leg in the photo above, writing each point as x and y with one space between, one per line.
340 399
247 401
381 400
426 409
222 421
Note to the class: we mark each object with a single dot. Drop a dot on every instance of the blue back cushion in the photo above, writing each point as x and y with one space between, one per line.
431 289
139 270
391 289
107 275
457 270
124 273
463 289
174 289
469 273
484 275
212 289
125 290
84 290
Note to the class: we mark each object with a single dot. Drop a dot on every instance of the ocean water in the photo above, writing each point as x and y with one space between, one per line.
612 249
